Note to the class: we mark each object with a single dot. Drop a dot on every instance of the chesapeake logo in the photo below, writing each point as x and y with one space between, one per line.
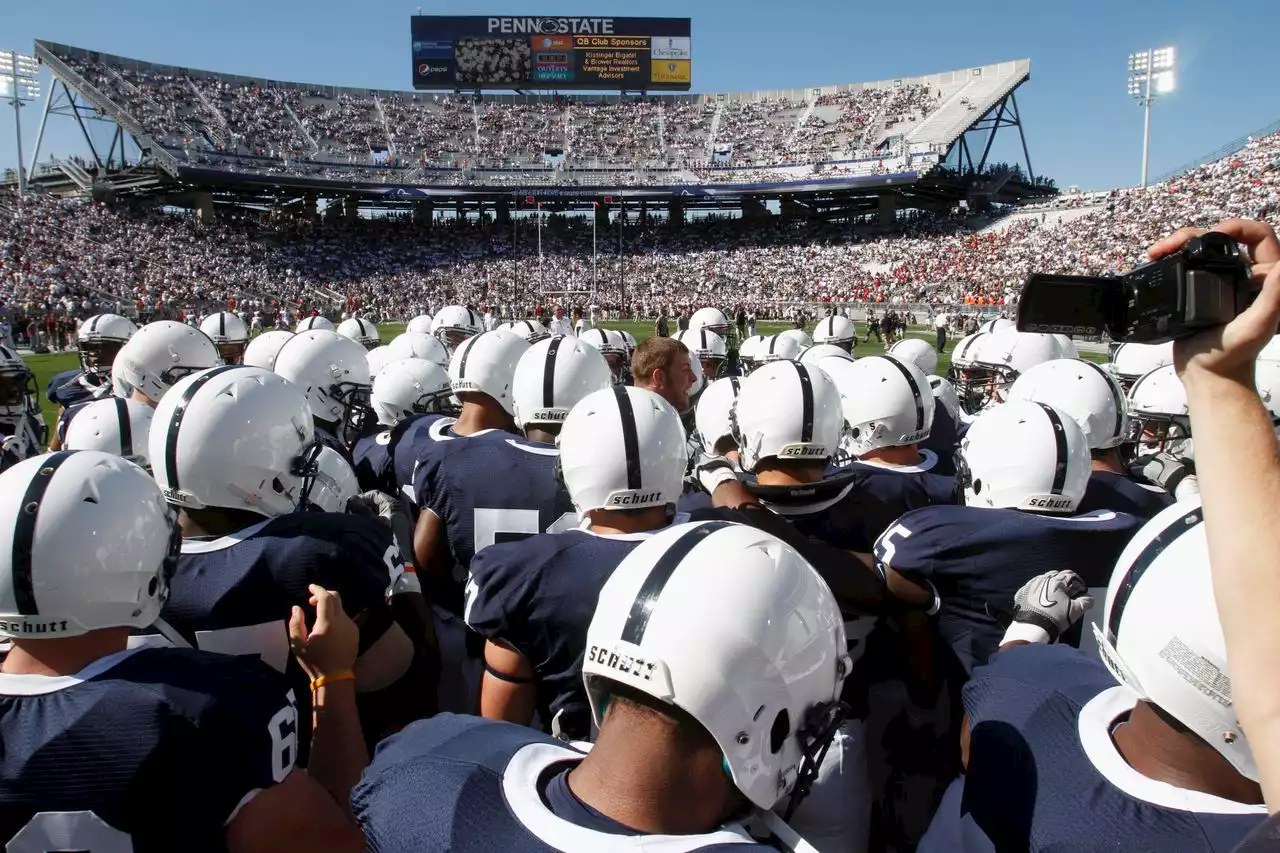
803 451
635 499
1049 503
626 664
552 26
34 627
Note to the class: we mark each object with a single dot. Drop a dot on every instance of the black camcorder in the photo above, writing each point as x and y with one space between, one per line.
1205 283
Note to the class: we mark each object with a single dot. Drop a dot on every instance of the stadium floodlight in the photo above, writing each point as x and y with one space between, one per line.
1152 73
19 84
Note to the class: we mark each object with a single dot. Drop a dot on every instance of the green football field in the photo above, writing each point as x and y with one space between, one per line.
45 366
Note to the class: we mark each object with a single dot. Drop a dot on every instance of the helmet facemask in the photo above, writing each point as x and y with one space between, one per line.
96 356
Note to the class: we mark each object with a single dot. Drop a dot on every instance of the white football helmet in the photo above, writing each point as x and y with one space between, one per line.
944 394
18 393
789 411
886 402
1131 362
761 671
86 542
962 358
1160 635
799 336
1001 357
419 345
314 324
420 324
158 356
333 372
1089 394
335 482
918 352
997 324
816 353
235 437
611 346
99 339
263 349
623 448
699 378
750 353
112 425
531 330
708 348
1066 347
379 357
455 324
836 330
1159 417
713 416
410 386
553 375
630 341
779 348
1024 456
486 364
229 334
711 319
364 332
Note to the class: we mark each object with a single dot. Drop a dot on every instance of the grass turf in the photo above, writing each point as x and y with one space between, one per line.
45 366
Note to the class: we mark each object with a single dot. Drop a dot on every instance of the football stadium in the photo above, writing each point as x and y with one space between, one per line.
547 453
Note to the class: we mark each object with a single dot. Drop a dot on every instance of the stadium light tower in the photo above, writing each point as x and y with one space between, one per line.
19 83
1151 74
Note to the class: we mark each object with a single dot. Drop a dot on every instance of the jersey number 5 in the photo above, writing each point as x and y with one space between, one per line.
885 547
47 832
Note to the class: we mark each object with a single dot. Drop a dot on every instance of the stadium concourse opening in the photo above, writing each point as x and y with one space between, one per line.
861 152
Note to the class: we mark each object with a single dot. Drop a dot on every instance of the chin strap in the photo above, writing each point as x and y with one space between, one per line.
817 735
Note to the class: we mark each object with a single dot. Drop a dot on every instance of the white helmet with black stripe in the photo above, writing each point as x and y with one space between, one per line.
235 437
333 371
263 349
623 448
787 411
157 356
486 364
779 348
1000 359
761 671
362 331
57 512
816 353
836 330
962 359
708 348
751 352
1024 455
711 319
531 330
713 416
228 333
1085 391
552 376
98 340
112 425
419 345
1159 415
314 323
1161 637
410 386
454 324
612 347
886 402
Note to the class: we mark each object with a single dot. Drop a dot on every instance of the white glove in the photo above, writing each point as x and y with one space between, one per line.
1046 606
1164 470
713 471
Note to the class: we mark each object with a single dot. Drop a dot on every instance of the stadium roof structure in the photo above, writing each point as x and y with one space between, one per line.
208 132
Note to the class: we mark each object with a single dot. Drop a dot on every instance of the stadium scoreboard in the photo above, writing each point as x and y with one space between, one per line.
521 52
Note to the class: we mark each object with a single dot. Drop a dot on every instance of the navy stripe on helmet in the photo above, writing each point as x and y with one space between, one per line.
1126 585
24 533
125 425
647 597
549 374
222 323
468 346
175 421
916 392
630 437
1060 441
806 403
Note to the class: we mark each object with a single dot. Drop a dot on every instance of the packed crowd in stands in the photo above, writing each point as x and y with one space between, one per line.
58 254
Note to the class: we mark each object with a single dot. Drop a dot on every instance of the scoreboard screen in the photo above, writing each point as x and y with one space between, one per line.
518 52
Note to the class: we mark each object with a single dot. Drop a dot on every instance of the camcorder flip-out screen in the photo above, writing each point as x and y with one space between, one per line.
1067 304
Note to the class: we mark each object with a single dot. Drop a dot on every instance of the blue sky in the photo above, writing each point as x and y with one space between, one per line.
1082 128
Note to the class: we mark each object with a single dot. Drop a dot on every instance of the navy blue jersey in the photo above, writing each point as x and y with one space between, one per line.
422 438
538 595
489 794
491 487
976 560
149 750
1122 493
328 439
70 387
876 495
234 594
373 456
942 441
1044 774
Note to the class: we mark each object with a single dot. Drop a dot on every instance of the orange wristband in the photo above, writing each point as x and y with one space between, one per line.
345 675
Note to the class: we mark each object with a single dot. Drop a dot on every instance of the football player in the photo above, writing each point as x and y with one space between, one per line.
610 345
114 425
363 332
779 348
836 330
454 324
749 353
156 357
333 371
404 390
229 334
112 748
314 323
1023 470
622 459
249 555
705 713
263 349
22 427
1095 401
998 358
713 320
1151 750
709 349
665 367
550 378
98 340
1130 362
419 345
